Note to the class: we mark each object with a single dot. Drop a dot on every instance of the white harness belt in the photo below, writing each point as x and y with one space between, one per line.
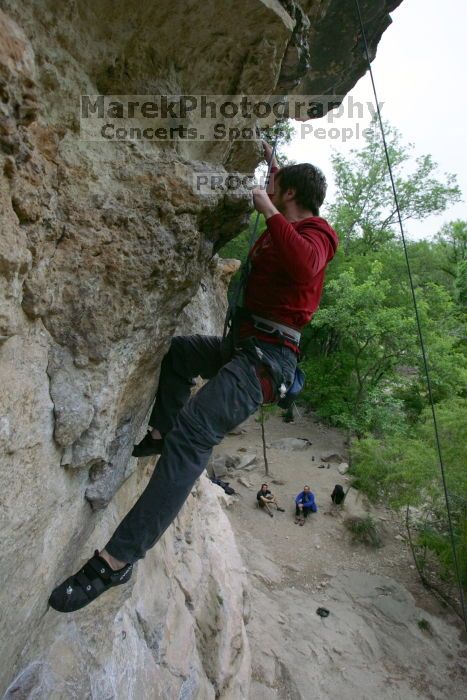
272 327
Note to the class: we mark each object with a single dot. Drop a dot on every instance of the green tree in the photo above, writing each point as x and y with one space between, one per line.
403 470
364 211
366 338
461 284
363 358
453 241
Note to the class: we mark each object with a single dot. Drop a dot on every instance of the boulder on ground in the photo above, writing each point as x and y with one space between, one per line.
244 460
356 504
332 457
343 468
219 465
290 444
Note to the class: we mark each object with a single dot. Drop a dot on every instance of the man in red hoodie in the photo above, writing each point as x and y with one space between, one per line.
284 285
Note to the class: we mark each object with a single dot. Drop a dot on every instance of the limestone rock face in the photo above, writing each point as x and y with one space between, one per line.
105 250
176 631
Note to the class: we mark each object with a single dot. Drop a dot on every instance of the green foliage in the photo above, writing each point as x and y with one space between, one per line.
266 412
453 242
363 360
439 542
364 211
363 347
403 469
424 625
395 469
238 247
406 463
363 530
461 284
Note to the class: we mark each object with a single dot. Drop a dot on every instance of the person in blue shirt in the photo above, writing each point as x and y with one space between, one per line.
304 504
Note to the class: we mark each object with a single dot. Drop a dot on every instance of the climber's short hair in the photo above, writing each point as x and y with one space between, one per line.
309 184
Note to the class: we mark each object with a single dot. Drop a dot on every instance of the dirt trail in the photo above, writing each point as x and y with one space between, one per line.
371 645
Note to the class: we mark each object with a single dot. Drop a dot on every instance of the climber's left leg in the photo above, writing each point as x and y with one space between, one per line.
219 406
188 357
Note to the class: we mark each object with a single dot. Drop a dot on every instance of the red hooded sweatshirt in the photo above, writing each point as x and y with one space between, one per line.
288 264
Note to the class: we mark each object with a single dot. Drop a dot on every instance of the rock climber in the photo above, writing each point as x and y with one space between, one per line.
282 292
304 505
265 499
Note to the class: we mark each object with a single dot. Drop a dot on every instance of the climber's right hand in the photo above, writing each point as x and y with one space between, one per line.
267 150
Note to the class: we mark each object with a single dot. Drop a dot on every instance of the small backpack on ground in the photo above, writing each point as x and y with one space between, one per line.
224 485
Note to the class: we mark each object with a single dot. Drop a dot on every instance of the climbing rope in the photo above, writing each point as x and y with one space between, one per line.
419 327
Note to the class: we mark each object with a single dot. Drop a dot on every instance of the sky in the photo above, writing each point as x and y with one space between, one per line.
420 74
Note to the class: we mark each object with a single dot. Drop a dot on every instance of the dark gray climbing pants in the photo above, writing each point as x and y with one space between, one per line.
192 426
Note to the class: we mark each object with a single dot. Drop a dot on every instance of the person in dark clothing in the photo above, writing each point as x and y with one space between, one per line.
265 498
304 504
288 415
338 495
283 291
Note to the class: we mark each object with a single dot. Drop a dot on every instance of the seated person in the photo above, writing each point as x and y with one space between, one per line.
304 504
265 498
338 495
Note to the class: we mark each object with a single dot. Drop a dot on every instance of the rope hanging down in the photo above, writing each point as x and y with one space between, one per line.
417 317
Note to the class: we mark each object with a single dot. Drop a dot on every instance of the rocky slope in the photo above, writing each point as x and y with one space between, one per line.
386 637
102 246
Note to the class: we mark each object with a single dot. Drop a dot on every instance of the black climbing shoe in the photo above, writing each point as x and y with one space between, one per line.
94 578
282 510
148 446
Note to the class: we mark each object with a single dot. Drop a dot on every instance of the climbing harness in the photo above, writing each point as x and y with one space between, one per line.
419 327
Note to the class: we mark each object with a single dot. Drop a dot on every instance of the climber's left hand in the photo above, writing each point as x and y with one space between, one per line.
263 204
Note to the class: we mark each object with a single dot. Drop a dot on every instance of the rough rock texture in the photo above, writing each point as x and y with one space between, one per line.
102 247
176 631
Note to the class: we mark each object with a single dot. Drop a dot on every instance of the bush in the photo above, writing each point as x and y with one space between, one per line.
363 530
403 470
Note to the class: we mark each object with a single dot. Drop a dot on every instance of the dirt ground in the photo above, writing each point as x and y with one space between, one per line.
385 636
